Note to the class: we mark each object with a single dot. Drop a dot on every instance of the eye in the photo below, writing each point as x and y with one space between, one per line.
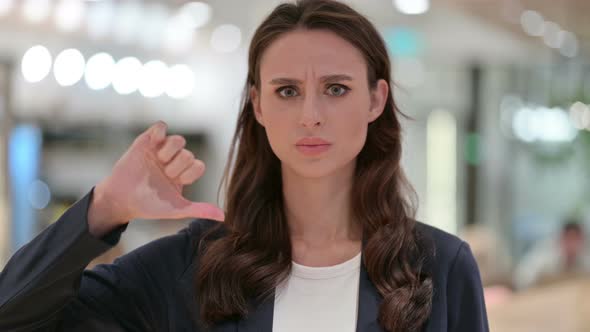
338 90
287 91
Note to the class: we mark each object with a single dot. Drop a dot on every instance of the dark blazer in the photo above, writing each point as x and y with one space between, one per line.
44 286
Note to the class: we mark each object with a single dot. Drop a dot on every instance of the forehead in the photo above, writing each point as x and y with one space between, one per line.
322 52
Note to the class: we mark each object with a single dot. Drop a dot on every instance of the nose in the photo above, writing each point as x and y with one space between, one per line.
310 114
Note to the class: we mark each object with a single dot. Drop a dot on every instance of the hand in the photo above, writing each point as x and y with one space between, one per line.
147 183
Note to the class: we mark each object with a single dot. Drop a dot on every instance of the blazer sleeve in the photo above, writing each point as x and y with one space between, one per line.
466 307
44 286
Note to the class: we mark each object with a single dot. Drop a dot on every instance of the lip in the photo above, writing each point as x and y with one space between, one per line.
312 146
313 150
312 140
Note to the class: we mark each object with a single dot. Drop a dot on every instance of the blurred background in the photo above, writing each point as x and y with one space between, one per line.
498 151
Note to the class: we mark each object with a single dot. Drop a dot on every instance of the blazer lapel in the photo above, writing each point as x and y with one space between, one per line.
368 303
260 317
186 288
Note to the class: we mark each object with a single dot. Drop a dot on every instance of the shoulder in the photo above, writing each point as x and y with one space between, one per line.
458 291
449 253
201 228
170 256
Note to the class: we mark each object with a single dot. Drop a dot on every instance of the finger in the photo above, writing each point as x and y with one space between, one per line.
157 132
192 173
171 146
200 210
181 161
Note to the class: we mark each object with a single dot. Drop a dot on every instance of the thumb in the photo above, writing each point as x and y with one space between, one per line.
200 210
153 136
157 132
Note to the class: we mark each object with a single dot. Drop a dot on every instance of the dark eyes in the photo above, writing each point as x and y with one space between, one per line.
335 90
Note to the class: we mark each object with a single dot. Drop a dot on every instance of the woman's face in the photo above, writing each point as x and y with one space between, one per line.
313 84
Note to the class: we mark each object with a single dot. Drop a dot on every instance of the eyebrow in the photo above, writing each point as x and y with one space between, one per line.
326 78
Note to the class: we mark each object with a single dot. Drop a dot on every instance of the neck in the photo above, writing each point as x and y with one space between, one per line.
318 209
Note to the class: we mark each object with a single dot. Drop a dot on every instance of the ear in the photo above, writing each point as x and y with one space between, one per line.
255 100
379 96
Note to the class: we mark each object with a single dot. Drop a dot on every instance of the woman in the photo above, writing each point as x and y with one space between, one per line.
318 231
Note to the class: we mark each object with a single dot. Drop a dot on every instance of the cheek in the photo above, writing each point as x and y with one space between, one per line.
277 127
352 129
354 138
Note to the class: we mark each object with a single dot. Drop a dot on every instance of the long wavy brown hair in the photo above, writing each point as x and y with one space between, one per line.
254 255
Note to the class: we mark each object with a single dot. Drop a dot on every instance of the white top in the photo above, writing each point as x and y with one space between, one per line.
318 298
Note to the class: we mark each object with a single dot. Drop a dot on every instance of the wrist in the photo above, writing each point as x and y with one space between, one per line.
103 213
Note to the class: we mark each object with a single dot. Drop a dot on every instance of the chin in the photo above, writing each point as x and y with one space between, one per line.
315 169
